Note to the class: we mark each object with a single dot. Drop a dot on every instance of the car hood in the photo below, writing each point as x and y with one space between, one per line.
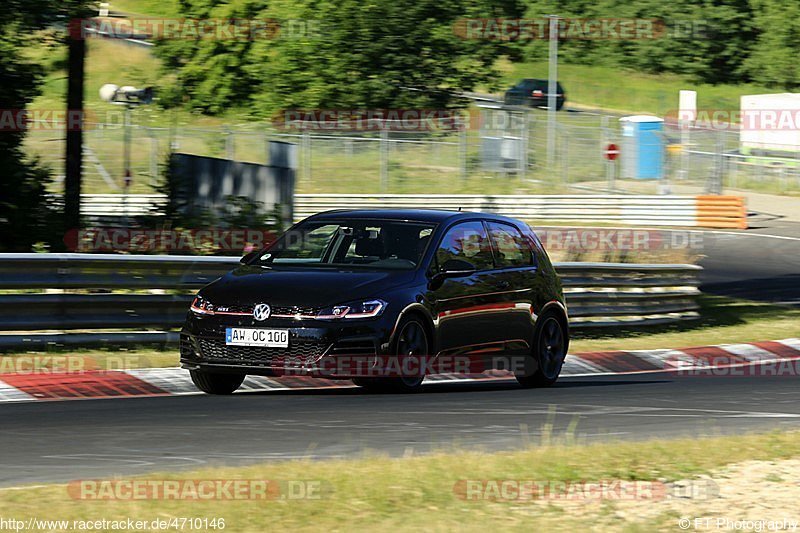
303 286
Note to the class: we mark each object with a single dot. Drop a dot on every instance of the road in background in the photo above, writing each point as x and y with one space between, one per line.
762 263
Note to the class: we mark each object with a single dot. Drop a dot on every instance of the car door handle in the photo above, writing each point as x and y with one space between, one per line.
503 285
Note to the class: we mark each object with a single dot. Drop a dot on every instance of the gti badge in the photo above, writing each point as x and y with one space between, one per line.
261 312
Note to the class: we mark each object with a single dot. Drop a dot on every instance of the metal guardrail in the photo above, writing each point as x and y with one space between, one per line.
109 271
629 294
39 305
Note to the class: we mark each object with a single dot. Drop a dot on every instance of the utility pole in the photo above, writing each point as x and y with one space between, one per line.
552 80
74 133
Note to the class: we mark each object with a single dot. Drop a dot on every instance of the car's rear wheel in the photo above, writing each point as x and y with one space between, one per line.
215 383
548 353
411 341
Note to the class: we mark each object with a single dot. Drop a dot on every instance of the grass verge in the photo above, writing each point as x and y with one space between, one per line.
377 493
77 360
628 91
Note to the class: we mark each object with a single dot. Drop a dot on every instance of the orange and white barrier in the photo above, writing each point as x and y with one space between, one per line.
715 211
705 211
626 209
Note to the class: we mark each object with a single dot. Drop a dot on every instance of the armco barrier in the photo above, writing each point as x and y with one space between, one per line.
644 210
56 294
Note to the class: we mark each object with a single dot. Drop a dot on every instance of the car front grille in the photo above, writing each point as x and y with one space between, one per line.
295 310
299 352
280 310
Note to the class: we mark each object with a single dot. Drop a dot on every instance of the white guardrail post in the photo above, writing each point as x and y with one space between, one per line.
711 211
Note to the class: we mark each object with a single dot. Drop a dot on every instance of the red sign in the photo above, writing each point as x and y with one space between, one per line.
611 152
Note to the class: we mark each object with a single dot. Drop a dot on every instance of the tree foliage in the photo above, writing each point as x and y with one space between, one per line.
335 54
707 39
394 54
773 60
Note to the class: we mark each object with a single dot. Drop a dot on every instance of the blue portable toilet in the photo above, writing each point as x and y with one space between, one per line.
642 147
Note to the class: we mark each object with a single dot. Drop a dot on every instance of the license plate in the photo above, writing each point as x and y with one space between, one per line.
270 338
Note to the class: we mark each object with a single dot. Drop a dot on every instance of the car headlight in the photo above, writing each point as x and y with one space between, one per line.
201 306
362 309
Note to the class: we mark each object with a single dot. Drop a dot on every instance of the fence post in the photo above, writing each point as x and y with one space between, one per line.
462 152
686 132
565 156
307 155
605 140
717 176
230 145
384 158
523 146
153 158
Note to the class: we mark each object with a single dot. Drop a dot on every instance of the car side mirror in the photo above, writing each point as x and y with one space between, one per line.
456 268
249 256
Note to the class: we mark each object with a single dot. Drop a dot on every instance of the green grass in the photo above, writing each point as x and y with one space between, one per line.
378 493
114 62
629 91
82 359
151 8
723 321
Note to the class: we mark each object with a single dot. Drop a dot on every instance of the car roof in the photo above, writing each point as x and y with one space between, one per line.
537 81
419 215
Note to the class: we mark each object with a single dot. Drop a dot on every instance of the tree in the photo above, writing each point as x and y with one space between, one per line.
707 40
380 54
25 216
773 60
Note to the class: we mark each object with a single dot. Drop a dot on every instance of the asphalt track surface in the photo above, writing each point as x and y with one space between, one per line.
762 263
88 439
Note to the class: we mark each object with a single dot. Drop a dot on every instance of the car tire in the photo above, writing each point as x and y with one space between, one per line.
411 339
212 383
547 353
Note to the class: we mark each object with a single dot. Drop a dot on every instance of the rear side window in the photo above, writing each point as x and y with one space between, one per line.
466 242
511 248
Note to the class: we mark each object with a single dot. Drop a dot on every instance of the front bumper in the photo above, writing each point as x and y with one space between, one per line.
337 349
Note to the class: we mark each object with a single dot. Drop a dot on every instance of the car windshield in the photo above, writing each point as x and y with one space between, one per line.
376 244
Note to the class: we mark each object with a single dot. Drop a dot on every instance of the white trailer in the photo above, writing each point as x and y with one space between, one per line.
770 124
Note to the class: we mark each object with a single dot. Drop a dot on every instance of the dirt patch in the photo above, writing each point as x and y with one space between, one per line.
748 496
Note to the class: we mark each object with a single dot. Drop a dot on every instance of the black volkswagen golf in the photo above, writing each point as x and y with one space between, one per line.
383 297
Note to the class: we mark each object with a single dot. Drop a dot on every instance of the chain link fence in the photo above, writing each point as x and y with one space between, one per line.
500 152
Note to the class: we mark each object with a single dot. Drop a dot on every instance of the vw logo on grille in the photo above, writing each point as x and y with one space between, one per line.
261 311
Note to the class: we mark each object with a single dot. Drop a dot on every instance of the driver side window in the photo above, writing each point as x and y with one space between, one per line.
466 242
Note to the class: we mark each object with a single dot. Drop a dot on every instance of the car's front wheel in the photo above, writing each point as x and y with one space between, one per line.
548 353
214 383
411 342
